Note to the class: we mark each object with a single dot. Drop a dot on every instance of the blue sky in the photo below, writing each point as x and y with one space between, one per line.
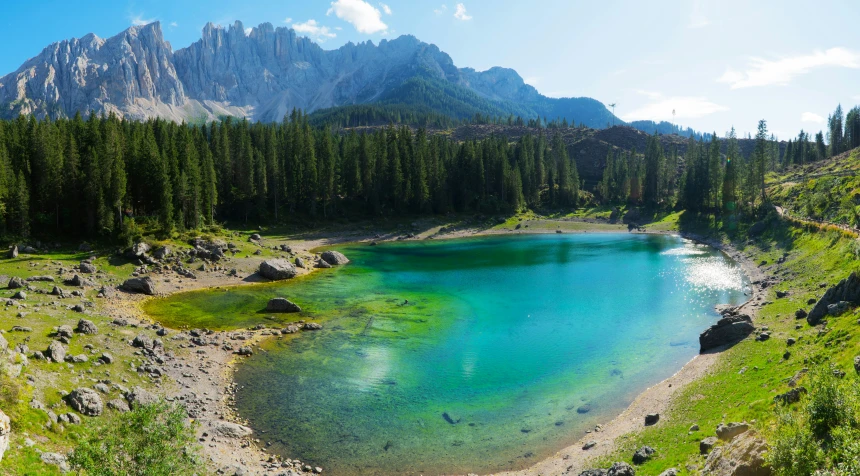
718 64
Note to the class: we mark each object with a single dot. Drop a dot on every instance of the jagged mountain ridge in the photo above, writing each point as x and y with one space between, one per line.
262 75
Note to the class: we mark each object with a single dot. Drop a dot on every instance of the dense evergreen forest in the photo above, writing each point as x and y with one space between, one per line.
103 176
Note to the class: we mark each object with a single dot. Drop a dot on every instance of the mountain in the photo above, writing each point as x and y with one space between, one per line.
263 75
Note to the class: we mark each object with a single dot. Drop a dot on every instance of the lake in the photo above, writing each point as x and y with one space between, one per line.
470 355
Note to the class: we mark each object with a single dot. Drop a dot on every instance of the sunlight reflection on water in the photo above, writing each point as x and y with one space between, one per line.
714 273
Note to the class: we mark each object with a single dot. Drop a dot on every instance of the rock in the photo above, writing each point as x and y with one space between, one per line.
727 330
88 268
43 279
781 294
312 326
119 405
300 263
621 469
228 430
161 253
589 444
29 250
706 445
86 401
56 291
56 352
139 396
87 327
16 283
800 314
743 456
322 264
138 250
143 341
106 358
77 359
277 269
55 459
790 341
72 418
334 258
643 454
593 472
244 351
583 409
282 305
838 308
763 336
652 419
19 295
3 344
727 432
13 252
856 362
670 472
847 290
142 285
255 237
78 281
694 427
5 433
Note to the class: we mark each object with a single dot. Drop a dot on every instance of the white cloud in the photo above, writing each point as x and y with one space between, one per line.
138 20
461 13
660 108
385 8
762 72
248 31
288 20
441 9
314 30
650 94
363 16
811 117
173 24
697 16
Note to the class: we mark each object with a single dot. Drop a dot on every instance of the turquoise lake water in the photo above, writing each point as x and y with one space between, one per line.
502 346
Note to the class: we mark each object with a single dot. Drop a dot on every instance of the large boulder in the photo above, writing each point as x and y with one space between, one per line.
334 258
16 283
86 267
139 396
727 330
643 454
56 352
138 250
142 285
5 431
621 469
743 456
847 290
727 432
282 305
87 327
277 269
13 252
86 401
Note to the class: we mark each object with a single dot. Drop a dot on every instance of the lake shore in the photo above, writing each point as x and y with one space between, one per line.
207 377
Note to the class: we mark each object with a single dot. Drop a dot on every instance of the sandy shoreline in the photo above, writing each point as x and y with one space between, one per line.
204 377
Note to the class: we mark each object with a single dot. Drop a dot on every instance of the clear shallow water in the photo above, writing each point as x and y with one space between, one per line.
503 339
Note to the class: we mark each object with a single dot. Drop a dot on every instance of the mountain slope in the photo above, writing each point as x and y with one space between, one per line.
263 75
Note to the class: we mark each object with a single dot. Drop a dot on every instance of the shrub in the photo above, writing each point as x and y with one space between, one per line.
152 440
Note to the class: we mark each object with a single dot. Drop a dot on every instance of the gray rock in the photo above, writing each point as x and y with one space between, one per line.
143 341
671 472
334 258
727 330
55 459
322 264
300 263
838 308
162 252
78 281
4 344
142 285
743 456
621 469
13 252
643 454
56 352
255 237
731 430
277 269
20 295
106 358
56 291
138 250
652 419
64 331
800 314
77 359
87 268
791 396
41 279
140 396
87 327
119 405
282 305
589 444
5 433
856 361
847 290
312 326
593 472
86 401
706 445
16 283
228 429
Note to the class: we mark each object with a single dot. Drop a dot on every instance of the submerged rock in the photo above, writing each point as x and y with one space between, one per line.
727 330
282 305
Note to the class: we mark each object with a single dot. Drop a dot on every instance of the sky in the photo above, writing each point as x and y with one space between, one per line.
717 64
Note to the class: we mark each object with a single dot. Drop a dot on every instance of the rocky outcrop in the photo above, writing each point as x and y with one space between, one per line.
142 285
5 433
728 330
848 290
743 456
282 305
334 258
277 269
731 430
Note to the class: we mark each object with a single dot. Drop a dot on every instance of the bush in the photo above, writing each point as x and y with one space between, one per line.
151 440
822 436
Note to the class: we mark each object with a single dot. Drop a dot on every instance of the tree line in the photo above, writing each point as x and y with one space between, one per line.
97 177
